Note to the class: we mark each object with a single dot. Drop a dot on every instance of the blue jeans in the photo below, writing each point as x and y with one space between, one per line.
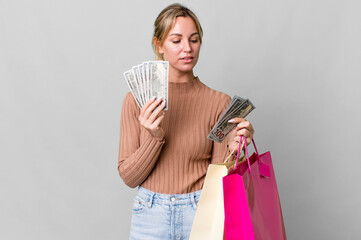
163 216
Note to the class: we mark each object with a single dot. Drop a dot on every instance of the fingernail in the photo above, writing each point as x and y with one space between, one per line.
231 121
153 98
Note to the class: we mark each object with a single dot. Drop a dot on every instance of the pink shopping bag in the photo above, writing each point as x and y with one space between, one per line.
251 201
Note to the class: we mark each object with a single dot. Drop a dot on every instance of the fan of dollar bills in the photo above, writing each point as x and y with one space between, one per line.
238 107
148 80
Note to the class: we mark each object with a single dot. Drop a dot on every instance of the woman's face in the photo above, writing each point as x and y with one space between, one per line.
181 46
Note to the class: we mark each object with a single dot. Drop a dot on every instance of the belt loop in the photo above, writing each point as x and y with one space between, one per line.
193 198
150 200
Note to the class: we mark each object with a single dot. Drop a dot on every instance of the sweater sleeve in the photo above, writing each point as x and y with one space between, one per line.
220 151
138 149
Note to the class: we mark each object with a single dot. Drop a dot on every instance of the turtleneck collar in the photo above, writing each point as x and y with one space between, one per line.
184 86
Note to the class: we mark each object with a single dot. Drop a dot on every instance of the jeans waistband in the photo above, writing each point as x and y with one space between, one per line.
168 199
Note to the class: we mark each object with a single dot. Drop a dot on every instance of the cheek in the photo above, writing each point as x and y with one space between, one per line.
172 53
174 50
196 49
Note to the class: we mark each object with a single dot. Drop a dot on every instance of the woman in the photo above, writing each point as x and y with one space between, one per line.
167 153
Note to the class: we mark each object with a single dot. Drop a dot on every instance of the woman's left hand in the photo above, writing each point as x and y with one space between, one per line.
243 128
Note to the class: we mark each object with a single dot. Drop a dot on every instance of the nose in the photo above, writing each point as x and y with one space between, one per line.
187 46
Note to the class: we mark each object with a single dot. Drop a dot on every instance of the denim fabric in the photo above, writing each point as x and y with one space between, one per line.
163 216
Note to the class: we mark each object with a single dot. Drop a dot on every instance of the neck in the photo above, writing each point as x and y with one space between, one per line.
179 77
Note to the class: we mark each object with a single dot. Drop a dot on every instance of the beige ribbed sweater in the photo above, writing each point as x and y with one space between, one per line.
179 163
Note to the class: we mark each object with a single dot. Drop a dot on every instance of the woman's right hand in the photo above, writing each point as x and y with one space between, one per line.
151 115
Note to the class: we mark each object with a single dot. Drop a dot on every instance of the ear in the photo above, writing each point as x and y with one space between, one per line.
156 43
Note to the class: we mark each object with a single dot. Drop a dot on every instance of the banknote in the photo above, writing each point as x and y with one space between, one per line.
142 81
238 107
139 84
159 71
236 101
147 80
132 84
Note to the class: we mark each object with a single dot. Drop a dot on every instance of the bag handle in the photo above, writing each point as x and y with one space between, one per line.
264 169
243 138
255 148
239 150
230 155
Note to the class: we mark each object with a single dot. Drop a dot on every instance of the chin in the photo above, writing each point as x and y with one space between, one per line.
183 69
186 67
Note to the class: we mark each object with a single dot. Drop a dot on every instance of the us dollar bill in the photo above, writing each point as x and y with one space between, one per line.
142 81
236 102
159 71
147 80
139 84
132 84
237 108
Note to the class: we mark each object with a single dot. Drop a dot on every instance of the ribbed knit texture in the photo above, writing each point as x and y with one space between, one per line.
178 164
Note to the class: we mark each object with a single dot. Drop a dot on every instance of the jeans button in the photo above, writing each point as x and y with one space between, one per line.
172 199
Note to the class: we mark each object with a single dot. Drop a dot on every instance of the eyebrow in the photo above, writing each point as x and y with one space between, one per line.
178 34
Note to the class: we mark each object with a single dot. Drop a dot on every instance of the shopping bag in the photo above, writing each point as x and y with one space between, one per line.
208 223
251 201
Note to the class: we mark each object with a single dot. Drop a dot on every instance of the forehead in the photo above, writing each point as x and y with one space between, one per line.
183 26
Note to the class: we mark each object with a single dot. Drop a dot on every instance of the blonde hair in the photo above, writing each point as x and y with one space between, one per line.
166 20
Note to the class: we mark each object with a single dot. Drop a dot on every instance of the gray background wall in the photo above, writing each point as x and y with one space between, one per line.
61 90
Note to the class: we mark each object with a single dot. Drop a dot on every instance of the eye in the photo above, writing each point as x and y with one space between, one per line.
176 41
194 40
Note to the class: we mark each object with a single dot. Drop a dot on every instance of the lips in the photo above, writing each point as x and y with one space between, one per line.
187 59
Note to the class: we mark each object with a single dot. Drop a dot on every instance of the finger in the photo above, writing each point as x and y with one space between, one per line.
156 112
243 132
237 120
160 108
248 139
244 124
157 122
151 108
146 105
237 139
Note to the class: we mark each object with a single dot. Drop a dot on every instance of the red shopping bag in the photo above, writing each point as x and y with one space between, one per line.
251 201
